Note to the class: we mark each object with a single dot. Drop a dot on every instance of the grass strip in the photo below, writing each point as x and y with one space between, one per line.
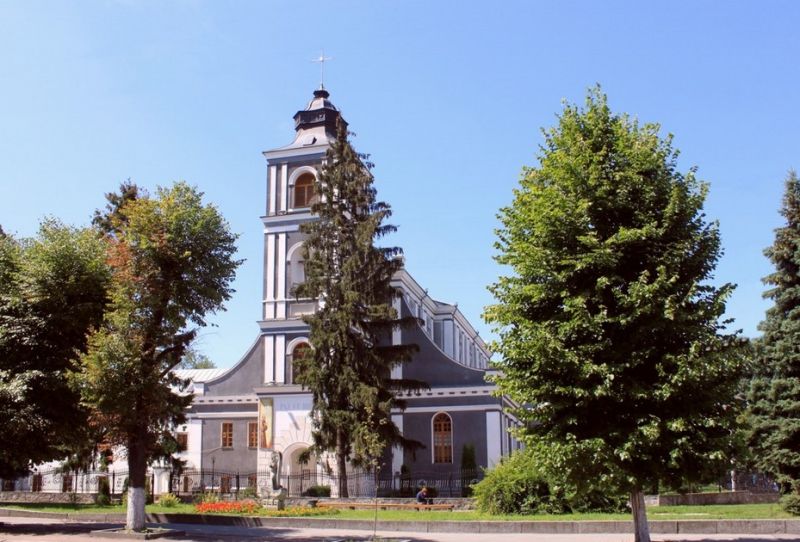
711 512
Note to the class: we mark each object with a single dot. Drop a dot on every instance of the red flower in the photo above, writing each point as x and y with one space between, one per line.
231 507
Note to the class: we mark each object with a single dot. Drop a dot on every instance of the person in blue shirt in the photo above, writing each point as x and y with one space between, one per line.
422 496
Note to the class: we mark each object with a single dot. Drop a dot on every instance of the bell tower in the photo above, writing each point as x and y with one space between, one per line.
291 172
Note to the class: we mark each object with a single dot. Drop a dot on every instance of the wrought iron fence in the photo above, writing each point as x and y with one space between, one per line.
313 482
58 481
754 482
310 482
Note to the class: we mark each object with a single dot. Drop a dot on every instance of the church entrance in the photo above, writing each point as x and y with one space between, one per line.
299 474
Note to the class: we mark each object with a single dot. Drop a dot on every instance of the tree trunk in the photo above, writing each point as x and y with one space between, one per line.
341 465
137 472
640 527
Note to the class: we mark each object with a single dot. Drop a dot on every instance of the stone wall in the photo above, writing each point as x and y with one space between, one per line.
9 497
722 497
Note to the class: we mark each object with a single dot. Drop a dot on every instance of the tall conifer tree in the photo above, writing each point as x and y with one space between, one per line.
609 327
774 395
349 371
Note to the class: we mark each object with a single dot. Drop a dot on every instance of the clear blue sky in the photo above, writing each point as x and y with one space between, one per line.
448 97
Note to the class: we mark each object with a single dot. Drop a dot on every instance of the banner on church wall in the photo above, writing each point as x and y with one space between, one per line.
265 422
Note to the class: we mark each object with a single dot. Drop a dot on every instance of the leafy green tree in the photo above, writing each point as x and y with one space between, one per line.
349 371
774 395
172 264
52 292
609 327
192 359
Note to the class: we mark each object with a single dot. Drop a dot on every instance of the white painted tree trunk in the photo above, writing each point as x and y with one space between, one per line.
640 528
135 513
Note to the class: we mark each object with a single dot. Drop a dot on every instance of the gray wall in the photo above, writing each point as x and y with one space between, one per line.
468 428
431 365
240 458
244 376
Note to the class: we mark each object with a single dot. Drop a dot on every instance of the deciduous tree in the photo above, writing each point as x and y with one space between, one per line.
52 292
609 325
172 258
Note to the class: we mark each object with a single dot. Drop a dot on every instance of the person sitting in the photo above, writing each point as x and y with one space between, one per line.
422 496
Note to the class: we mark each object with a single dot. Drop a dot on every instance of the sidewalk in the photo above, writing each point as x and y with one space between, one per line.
15 529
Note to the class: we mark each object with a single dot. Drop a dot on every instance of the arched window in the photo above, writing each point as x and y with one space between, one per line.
296 269
301 352
442 438
304 194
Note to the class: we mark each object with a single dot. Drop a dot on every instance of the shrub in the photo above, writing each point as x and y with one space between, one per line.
521 484
247 493
317 491
207 497
168 500
791 503
469 468
517 486
103 492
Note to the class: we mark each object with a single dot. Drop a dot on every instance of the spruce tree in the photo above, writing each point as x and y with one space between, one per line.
349 373
609 327
774 395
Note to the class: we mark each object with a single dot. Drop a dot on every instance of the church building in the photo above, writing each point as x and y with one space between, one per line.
254 418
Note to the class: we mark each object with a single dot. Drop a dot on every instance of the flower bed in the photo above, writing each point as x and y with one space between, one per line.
229 507
252 508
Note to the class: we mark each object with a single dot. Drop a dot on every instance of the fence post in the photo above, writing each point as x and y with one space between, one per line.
237 485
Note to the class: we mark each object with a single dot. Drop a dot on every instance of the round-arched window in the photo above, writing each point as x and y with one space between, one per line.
304 190
442 438
301 353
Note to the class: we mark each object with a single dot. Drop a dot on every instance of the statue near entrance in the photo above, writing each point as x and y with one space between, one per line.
275 467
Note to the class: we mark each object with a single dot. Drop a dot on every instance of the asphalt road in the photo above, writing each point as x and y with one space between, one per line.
50 530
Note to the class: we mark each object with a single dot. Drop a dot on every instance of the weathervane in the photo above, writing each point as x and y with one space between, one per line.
322 59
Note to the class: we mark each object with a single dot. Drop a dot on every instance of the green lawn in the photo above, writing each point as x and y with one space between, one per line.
728 511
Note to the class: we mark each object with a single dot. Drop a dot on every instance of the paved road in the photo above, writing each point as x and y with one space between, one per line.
51 530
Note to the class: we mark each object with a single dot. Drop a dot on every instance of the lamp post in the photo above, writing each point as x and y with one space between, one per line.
211 453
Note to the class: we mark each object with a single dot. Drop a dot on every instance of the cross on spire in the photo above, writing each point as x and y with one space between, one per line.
322 59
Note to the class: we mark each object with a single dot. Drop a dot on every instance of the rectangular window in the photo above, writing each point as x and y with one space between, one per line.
183 441
227 435
252 434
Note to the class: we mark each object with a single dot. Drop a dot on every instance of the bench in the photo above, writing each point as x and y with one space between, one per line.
383 506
